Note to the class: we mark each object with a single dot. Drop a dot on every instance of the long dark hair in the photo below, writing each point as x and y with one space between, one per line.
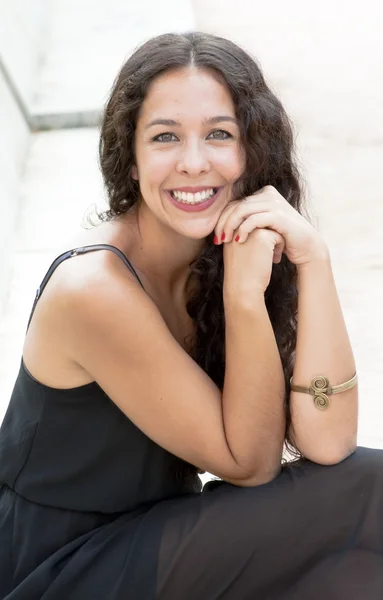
268 142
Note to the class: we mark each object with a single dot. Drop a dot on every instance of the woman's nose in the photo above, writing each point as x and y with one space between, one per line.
193 159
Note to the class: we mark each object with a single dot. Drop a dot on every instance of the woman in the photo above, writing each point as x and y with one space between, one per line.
163 347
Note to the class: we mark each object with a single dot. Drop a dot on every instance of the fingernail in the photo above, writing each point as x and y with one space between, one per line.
215 239
236 238
222 236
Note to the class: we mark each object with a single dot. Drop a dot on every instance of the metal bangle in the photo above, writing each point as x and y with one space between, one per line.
321 389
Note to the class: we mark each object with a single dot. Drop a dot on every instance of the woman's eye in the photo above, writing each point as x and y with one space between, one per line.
228 135
157 138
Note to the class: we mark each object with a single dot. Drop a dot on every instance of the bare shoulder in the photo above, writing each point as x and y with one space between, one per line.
93 279
46 350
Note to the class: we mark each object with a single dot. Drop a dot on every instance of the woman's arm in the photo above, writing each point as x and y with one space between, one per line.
323 348
254 387
135 359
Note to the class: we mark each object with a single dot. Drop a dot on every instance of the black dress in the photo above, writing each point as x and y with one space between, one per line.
91 508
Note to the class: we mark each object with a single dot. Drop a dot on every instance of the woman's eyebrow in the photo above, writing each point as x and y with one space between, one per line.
218 119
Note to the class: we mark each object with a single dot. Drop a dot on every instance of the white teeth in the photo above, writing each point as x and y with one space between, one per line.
189 198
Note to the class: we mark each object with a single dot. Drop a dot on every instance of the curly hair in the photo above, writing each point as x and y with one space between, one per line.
268 142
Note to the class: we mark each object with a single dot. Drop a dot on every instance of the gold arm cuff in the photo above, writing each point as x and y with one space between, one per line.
321 389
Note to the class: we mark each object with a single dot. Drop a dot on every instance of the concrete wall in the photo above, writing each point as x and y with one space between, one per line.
14 136
23 28
22 33
88 41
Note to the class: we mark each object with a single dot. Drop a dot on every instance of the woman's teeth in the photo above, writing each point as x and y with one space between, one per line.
189 198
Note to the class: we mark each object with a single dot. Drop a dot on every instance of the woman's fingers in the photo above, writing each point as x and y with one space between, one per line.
234 216
248 224
278 251
271 220
241 233
251 224
220 228
268 209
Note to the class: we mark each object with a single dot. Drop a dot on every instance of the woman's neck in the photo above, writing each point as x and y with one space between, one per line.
158 254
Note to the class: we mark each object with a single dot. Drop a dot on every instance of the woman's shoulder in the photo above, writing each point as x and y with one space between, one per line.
95 260
46 350
107 232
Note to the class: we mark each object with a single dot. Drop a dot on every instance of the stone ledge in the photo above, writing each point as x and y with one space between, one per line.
64 120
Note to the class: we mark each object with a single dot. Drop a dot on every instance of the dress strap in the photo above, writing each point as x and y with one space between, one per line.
75 252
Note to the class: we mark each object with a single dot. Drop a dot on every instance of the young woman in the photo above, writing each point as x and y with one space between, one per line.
162 345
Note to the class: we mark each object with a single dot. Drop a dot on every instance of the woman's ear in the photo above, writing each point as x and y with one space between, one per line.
134 172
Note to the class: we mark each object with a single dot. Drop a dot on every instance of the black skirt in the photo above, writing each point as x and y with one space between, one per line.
314 533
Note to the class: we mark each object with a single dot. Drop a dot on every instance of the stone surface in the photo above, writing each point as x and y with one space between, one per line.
22 39
14 138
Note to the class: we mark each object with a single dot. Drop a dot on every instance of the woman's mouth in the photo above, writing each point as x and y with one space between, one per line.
193 202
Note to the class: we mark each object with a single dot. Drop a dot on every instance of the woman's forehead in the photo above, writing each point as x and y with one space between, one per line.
181 93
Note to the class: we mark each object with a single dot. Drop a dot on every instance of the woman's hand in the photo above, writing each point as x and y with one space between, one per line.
268 209
247 267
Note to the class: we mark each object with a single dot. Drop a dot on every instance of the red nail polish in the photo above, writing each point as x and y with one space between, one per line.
222 236
215 239
236 238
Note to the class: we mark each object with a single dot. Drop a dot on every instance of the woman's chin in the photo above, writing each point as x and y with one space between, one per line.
198 231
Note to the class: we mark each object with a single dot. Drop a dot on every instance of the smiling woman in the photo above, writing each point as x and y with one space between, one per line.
162 346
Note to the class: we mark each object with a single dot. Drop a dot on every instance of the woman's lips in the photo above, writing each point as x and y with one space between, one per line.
194 207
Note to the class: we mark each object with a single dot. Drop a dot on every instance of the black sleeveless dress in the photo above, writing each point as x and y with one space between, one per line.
91 508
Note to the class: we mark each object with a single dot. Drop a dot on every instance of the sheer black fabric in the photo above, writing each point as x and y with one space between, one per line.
90 507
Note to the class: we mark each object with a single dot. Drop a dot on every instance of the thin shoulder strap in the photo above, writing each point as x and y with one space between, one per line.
76 252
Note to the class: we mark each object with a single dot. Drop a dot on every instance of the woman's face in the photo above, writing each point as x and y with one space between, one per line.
195 150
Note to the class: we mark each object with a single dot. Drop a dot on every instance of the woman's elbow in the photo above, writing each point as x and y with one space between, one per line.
330 456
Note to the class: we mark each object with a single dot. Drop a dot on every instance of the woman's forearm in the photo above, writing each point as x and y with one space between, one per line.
254 387
323 348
